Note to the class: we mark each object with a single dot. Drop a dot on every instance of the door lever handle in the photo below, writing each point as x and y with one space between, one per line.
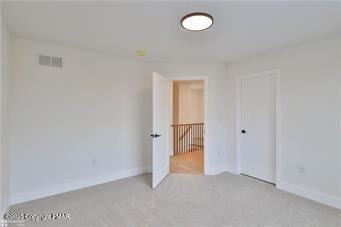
243 131
155 135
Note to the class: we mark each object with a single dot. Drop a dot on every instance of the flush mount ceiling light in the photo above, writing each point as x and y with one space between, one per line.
197 21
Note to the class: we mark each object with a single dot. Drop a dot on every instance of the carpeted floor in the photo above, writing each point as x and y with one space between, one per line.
182 200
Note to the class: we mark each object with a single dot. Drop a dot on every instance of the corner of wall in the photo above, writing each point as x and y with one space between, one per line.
221 169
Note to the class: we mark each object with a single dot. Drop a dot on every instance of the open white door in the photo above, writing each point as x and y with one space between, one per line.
161 123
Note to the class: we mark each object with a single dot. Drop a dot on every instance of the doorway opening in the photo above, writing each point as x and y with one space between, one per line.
163 138
187 127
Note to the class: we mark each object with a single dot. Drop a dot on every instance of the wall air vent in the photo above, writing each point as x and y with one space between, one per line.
56 62
44 60
50 61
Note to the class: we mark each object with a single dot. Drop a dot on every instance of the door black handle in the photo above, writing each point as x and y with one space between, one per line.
243 131
155 135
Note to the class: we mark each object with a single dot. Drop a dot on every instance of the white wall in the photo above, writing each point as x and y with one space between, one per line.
310 105
2 203
84 124
4 127
197 101
90 121
189 102
339 82
217 115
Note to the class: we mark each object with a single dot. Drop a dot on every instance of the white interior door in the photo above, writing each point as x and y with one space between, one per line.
161 121
257 139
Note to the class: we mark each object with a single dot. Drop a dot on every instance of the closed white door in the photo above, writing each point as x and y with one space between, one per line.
257 135
161 124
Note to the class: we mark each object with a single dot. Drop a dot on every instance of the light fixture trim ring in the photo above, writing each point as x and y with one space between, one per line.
197 14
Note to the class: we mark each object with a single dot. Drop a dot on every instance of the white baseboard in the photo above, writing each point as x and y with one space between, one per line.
231 169
310 194
57 189
221 169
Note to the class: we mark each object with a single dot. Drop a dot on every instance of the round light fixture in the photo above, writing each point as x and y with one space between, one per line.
197 21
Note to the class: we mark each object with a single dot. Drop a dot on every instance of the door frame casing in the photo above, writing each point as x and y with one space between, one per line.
239 78
205 79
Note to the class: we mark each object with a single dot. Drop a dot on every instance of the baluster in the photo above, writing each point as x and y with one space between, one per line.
200 136
191 140
173 140
200 141
181 141
177 139
196 136
203 133
185 138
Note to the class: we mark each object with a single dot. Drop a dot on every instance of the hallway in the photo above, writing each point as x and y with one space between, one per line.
191 162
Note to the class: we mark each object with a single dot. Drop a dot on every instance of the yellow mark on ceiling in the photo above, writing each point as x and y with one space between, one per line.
141 53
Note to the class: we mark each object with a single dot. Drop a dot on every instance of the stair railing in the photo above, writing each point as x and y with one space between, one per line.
188 137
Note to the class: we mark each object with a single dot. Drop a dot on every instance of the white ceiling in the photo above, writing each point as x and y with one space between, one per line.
120 28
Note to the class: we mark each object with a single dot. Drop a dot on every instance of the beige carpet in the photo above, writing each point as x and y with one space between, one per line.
182 200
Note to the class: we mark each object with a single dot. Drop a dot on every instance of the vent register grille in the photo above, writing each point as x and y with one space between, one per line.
50 61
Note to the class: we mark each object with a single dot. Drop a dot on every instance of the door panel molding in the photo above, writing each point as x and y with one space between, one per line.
239 78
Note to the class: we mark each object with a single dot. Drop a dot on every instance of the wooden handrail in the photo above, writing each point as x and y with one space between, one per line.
174 125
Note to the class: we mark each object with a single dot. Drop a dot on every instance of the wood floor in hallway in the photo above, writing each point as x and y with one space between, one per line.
191 162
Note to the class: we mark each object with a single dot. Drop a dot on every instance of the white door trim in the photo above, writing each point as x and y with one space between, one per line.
205 79
239 78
